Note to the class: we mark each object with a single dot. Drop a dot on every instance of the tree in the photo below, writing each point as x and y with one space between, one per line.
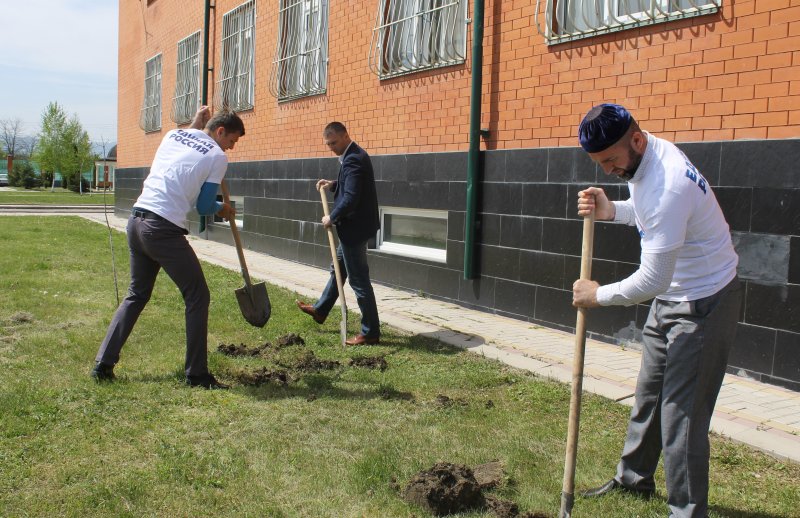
23 175
10 131
63 146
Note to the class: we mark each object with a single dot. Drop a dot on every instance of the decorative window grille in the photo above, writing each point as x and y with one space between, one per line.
419 233
300 67
412 35
237 84
567 20
150 118
187 99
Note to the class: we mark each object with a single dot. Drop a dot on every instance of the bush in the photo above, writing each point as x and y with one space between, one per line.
71 182
23 175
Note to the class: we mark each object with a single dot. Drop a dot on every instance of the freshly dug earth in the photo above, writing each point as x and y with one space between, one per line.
451 488
370 362
261 376
287 340
445 489
446 402
240 350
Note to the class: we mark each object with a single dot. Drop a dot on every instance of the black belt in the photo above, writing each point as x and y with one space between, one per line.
145 214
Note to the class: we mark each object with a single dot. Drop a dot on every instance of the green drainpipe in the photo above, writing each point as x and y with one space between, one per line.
474 157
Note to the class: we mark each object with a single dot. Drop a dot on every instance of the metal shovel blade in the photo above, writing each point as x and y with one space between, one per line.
254 303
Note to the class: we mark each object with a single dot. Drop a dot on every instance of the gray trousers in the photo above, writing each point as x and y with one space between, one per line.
156 244
685 353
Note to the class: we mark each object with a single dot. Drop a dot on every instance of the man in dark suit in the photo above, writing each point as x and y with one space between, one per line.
355 215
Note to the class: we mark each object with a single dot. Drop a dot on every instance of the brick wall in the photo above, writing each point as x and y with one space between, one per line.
730 75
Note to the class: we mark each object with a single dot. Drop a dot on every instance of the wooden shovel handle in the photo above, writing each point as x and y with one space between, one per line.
226 197
568 486
332 243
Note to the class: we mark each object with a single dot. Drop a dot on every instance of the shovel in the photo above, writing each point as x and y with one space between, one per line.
568 487
337 271
253 298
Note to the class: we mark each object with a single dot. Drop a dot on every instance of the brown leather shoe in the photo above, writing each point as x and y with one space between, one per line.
360 339
308 309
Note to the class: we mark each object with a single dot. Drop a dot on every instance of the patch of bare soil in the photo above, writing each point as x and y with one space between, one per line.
452 488
445 489
287 340
261 376
309 362
370 362
239 350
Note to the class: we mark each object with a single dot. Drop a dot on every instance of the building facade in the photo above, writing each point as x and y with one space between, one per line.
721 79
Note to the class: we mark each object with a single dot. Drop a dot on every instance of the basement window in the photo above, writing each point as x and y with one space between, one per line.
150 117
413 35
187 79
415 233
300 68
237 75
237 202
566 20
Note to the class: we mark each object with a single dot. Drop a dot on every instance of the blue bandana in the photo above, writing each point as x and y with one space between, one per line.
603 126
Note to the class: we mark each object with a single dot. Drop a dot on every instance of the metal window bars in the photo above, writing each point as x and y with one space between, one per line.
150 117
412 35
237 75
186 99
567 20
300 67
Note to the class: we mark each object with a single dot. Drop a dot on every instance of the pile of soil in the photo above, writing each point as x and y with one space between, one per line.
452 488
240 350
370 362
443 401
309 362
261 376
287 340
21 317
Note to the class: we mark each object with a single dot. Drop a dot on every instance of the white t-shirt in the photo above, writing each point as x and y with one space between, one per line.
676 209
185 160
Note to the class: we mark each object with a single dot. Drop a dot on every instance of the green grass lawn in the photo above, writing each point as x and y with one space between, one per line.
327 444
43 196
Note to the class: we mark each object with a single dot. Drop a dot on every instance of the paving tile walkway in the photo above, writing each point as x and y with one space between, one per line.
764 416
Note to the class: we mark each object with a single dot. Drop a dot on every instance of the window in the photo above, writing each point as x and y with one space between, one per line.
301 58
237 202
413 35
414 232
566 20
237 83
150 118
186 100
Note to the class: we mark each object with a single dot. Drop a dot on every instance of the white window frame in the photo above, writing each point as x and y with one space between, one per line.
150 117
567 20
418 252
187 80
300 68
237 58
414 35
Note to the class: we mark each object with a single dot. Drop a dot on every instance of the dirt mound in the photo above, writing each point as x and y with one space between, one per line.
309 362
445 489
451 488
239 350
261 376
290 339
370 362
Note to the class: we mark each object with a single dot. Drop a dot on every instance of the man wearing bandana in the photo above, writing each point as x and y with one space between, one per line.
688 268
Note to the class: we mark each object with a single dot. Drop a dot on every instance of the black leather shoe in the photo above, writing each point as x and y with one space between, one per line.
103 372
612 485
206 381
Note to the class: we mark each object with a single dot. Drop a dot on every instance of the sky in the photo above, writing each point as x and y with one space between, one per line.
61 51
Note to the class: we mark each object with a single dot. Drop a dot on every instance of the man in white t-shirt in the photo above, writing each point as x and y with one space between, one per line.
688 266
186 172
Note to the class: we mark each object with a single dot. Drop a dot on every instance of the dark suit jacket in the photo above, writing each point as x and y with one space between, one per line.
355 200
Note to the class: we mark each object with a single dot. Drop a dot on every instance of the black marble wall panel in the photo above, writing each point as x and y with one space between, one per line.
528 234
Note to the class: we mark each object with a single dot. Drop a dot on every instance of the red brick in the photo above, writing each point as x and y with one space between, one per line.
721 134
721 108
771 119
771 90
751 106
738 93
740 65
689 110
784 103
783 132
737 121
775 60
750 133
788 44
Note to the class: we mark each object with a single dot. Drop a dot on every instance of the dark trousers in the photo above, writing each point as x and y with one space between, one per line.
156 244
353 265
685 354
